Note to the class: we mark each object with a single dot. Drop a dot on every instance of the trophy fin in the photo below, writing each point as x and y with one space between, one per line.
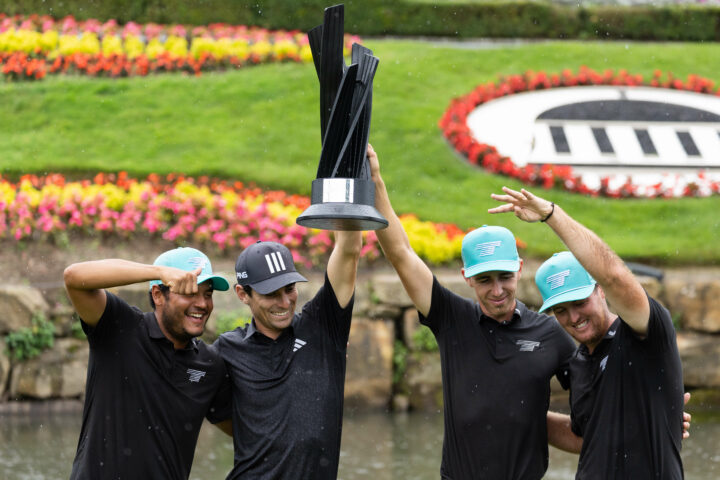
337 124
331 62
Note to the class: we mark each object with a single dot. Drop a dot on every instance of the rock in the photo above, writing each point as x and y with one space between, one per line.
400 403
454 281
652 286
63 317
19 304
368 381
411 324
700 356
56 373
423 380
388 290
696 303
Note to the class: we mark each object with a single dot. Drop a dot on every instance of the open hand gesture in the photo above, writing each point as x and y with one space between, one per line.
526 206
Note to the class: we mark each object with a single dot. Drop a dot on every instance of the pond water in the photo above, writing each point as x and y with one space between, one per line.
377 446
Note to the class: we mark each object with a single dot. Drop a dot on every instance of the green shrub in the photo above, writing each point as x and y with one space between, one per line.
30 342
76 330
400 353
230 321
460 18
424 340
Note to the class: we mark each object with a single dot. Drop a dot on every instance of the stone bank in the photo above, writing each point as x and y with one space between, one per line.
391 362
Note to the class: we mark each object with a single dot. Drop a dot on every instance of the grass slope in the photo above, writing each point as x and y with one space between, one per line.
261 125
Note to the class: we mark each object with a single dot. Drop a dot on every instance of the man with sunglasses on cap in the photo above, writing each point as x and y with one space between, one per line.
288 369
626 388
150 381
497 356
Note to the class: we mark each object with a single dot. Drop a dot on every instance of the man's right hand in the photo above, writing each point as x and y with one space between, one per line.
180 281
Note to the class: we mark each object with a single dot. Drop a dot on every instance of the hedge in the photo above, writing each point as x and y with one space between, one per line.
496 19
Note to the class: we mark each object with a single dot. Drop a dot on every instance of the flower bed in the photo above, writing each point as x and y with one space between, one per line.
33 46
455 129
201 211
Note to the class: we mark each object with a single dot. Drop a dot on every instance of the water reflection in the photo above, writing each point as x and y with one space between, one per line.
375 446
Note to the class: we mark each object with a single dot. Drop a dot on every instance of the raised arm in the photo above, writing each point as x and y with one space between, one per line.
85 282
343 263
621 288
416 277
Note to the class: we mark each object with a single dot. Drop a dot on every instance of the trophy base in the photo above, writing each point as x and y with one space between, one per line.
342 204
342 216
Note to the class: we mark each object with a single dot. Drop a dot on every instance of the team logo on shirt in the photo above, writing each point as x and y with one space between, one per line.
298 344
603 363
487 248
557 279
275 262
527 345
195 375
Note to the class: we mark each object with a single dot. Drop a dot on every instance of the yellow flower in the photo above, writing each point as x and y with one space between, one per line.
134 47
176 46
86 43
112 45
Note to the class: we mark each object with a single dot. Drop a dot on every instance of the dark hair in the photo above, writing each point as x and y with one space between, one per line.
248 289
164 289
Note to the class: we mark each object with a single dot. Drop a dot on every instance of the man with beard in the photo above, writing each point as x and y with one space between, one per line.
150 381
626 388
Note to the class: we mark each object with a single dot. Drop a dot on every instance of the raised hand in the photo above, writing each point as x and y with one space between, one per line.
526 206
180 281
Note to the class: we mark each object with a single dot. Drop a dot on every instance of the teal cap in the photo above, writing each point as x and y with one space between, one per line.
189 259
562 279
488 249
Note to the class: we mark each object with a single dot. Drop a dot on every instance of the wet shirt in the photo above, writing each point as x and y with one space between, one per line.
288 393
627 400
145 401
496 387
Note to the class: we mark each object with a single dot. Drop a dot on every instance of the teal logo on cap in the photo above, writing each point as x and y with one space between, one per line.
562 279
489 248
557 280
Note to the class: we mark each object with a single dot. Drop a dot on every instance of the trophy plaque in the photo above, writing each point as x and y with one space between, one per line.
343 194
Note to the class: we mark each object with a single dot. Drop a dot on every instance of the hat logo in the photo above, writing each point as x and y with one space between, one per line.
558 279
487 248
197 262
275 262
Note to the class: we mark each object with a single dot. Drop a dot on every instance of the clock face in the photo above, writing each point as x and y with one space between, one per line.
638 131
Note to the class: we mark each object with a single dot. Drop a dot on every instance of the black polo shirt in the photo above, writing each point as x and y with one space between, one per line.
288 393
144 400
627 402
496 387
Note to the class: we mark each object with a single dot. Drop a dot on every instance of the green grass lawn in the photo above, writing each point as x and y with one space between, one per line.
261 125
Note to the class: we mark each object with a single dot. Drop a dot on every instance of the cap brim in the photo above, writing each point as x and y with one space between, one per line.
219 283
494 266
277 282
579 293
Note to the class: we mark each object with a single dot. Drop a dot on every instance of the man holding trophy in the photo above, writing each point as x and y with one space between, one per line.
288 369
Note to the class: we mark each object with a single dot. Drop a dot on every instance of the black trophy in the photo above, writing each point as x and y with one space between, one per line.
343 194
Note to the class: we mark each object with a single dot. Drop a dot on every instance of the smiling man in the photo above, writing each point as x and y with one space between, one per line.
288 369
150 381
497 356
626 390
